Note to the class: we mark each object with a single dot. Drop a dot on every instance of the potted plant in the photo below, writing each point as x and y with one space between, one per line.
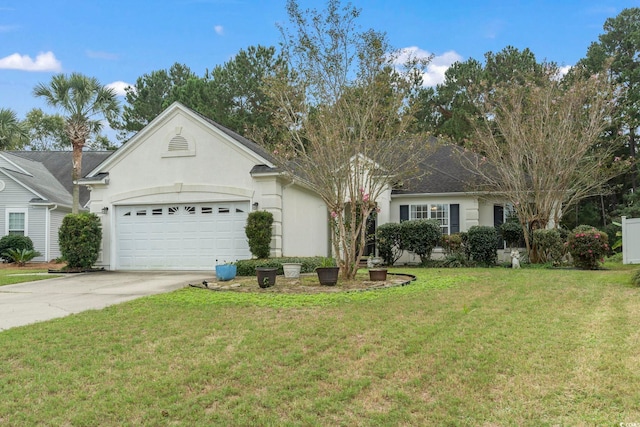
266 276
291 269
377 274
328 272
225 271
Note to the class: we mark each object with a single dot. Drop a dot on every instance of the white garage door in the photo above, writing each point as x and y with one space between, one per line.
180 236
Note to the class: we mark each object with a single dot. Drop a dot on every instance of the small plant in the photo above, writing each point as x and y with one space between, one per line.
258 231
21 256
635 279
327 262
588 246
14 241
452 243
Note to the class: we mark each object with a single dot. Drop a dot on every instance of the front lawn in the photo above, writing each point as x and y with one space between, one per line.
10 276
456 347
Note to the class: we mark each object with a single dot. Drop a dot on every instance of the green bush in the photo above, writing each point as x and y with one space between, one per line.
482 242
247 267
635 279
14 242
512 233
258 231
389 241
549 246
452 244
21 256
588 246
420 236
79 239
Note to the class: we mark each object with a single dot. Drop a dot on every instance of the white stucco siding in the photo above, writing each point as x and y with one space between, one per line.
305 224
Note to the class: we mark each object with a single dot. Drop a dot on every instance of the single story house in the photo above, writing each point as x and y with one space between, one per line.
176 197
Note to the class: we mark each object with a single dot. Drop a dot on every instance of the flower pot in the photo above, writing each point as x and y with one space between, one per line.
378 274
226 272
291 270
328 276
266 276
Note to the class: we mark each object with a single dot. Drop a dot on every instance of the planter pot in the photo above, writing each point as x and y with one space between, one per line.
226 272
291 270
266 276
328 276
378 274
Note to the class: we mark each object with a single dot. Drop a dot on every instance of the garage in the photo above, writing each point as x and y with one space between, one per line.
187 236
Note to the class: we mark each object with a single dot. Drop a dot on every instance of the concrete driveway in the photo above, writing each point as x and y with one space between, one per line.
33 302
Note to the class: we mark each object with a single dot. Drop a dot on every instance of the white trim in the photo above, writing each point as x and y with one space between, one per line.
16 210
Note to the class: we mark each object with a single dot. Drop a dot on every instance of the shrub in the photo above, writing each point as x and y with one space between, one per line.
587 246
482 244
389 241
512 233
635 279
258 231
247 267
420 236
456 260
79 238
15 242
452 244
549 246
21 256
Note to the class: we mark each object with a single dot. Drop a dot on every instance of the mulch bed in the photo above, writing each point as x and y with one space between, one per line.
306 284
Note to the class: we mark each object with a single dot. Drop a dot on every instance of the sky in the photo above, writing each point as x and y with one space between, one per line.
118 41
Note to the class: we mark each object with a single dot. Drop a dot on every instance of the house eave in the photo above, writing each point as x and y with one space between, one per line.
452 194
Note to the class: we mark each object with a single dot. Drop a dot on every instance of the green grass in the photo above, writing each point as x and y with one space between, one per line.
12 276
457 347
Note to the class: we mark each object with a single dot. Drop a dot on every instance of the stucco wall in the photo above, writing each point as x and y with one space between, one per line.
305 223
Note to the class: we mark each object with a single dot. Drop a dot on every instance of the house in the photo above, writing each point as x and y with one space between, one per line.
35 194
177 195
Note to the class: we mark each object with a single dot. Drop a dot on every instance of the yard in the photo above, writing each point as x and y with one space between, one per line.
456 347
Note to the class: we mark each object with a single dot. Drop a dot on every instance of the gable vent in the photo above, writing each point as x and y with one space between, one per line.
178 143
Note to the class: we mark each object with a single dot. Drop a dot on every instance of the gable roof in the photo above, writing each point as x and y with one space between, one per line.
49 172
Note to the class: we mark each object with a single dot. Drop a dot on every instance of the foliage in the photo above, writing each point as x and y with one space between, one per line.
512 233
535 158
327 262
247 267
46 131
456 260
420 236
16 242
548 245
13 133
482 244
79 238
258 231
587 246
86 102
389 242
21 256
348 105
452 244
635 279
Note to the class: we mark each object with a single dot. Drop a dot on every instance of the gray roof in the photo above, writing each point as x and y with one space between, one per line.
51 172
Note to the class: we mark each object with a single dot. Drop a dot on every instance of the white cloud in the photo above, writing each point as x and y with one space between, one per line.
96 54
45 61
219 29
436 68
119 87
564 70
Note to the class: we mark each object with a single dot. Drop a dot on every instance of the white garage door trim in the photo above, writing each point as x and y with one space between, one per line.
180 236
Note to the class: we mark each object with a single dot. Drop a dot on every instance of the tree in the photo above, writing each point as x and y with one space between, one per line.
46 131
347 105
617 52
13 134
85 101
539 145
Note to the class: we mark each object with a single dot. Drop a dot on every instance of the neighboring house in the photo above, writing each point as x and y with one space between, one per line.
176 197
35 195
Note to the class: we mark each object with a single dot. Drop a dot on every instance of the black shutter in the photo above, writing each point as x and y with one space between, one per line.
404 213
454 212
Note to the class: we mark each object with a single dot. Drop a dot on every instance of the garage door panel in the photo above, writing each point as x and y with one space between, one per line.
180 236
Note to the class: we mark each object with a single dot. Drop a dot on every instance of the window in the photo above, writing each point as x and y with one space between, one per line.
419 212
439 212
17 222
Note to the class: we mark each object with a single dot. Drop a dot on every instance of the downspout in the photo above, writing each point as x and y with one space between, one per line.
47 238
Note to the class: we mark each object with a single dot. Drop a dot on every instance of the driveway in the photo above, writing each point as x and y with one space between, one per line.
33 302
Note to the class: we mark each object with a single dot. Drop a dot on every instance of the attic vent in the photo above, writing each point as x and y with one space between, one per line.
178 143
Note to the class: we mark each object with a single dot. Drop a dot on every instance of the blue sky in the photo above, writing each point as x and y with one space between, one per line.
119 41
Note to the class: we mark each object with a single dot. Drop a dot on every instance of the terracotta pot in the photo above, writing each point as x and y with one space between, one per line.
266 276
378 274
328 276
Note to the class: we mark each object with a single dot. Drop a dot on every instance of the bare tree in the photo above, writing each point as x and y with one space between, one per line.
539 145
348 105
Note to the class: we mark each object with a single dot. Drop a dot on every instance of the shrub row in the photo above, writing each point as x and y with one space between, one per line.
247 267
419 236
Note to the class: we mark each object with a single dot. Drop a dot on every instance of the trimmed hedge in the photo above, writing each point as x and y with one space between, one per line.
482 242
247 267
16 242
79 237
420 236
389 241
258 231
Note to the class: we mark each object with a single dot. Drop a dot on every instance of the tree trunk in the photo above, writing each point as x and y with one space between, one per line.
76 173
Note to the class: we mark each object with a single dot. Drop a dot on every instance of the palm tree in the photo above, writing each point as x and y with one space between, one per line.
13 134
85 101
